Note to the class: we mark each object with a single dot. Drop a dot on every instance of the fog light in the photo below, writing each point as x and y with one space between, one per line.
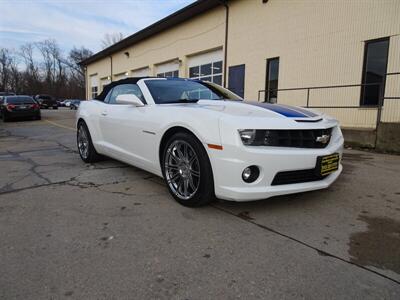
250 174
246 174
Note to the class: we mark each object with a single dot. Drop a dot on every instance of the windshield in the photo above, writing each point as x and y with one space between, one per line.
174 91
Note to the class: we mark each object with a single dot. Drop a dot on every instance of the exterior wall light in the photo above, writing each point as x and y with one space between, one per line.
178 61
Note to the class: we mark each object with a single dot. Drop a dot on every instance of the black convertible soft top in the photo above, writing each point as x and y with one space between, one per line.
109 86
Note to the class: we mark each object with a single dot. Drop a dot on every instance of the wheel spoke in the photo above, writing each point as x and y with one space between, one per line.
174 177
171 167
180 154
195 173
191 184
185 152
174 156
192 160
185 187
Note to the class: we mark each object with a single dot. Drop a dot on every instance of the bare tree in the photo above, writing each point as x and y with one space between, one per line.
42 68
26 53
77 72
31 74
111 38
5 64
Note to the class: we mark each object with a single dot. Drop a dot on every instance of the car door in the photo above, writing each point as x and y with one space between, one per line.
122 126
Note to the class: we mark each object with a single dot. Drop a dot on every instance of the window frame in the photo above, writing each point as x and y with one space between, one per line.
364 73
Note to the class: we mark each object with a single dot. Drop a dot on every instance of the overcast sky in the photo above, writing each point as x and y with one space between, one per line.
78 22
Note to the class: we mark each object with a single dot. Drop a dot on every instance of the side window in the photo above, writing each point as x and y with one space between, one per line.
124 89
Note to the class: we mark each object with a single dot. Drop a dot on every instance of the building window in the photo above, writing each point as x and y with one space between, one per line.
94 91
169 74
374 71
271 85
208 72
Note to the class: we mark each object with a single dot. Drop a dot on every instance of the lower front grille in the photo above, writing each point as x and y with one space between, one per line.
300 176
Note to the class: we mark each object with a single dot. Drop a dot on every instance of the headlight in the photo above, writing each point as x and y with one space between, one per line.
247 136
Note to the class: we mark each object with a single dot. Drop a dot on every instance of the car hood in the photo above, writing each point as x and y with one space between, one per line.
252 114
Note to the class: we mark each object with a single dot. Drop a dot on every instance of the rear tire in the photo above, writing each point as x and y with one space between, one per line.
187 170
84 142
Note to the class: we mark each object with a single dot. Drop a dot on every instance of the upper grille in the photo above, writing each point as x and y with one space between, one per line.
298 138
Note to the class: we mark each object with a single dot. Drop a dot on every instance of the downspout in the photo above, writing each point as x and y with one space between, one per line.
225 3
111 69
86 83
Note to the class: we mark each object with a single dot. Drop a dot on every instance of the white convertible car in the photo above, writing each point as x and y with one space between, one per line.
207 142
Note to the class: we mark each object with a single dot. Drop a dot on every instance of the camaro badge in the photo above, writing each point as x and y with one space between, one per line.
323 138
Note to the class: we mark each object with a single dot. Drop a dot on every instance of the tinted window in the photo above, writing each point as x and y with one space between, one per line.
173 91
20 100
123 89
375 64
271 94
194 72
205 70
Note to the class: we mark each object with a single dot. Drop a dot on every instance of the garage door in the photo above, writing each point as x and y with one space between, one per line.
170 69
142 72
120 76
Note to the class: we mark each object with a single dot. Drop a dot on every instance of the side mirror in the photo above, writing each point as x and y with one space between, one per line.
129 99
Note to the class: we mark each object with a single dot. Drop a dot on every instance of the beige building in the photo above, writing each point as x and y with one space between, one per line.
338 56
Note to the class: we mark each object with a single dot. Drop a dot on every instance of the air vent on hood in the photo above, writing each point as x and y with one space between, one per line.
308 120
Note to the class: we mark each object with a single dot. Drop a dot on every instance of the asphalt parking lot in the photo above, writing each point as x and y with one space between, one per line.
111 231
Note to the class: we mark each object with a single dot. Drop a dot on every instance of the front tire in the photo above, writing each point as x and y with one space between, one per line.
187 170
85 145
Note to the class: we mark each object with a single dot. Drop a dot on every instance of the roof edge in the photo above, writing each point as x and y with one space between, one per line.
180 16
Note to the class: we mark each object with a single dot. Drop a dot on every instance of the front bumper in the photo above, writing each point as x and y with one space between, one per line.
229 164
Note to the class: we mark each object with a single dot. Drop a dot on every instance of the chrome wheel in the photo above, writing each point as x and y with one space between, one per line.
83 142
182 169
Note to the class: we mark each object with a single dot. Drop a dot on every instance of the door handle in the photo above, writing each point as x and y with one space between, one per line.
104 113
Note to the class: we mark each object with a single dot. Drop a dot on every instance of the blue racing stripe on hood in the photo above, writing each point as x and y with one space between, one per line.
285 110
300 109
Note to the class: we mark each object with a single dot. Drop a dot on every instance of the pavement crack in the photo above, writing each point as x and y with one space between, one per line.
319 251
32 187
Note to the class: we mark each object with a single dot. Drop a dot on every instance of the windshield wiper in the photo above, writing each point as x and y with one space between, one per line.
183 101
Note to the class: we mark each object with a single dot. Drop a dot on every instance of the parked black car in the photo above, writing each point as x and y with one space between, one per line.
19 107
46 101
